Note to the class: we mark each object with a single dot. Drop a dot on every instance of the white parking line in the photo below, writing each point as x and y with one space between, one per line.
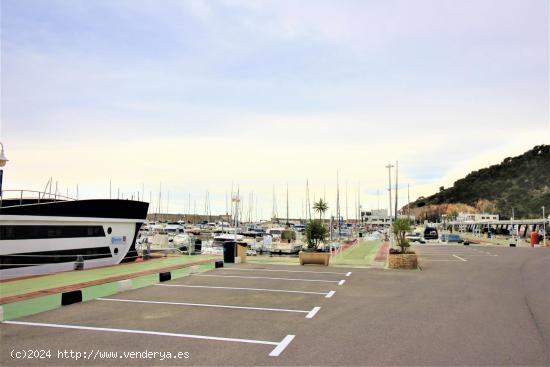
313 312
439 260
288 271
486 255
279 346
205 305
446 253
239 276
327 295
458 257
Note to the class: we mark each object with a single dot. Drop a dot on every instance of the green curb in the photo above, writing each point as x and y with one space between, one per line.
15 310
31 306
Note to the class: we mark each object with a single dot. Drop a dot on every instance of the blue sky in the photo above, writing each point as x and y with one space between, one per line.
269 92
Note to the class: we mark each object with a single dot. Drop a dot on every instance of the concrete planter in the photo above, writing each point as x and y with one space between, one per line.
320 258
402 261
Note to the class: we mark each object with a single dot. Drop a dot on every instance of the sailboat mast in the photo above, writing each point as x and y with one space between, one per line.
408 203
287 223
274 214
338 201
347 217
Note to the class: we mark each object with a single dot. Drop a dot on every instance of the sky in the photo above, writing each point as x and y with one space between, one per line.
202 96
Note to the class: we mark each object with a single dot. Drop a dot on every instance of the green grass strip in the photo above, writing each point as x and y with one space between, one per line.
17 287
362 253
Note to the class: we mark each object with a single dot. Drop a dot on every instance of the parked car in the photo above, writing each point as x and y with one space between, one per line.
451 237
414 237
430 233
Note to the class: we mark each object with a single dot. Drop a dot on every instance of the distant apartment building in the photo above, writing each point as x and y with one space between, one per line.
468 217
375 217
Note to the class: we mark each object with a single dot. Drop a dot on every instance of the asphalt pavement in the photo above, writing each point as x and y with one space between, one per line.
476 305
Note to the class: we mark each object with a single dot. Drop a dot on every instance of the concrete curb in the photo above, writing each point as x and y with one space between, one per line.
34 305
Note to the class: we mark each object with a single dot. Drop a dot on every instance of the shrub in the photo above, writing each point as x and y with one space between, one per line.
400 228
316 233
288 235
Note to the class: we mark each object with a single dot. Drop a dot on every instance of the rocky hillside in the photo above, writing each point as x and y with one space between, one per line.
521 182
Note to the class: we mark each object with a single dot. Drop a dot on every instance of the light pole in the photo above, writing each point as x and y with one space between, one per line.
3 161
396 191
543 228
389 167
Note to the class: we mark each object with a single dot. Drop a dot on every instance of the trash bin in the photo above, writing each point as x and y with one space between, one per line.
229 252
241 251
197 248
534 238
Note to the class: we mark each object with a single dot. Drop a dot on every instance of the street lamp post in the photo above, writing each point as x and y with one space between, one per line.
389 167
3 161
543 228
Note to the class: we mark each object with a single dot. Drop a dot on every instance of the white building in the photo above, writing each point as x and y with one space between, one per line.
478 217
375 217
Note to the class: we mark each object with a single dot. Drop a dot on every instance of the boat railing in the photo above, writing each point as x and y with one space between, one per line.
33 195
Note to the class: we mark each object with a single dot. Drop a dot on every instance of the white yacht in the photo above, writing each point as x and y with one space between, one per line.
46 235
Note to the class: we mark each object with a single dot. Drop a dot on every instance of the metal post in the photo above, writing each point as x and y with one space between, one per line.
389 167
396 184
543 228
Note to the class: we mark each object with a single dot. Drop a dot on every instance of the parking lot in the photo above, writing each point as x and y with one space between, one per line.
435 252
228 314
469 305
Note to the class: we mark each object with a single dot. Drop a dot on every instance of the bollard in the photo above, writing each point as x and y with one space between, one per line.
68 298
79 263
163 277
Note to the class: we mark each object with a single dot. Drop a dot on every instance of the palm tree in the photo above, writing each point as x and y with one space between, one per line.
400 227
321 207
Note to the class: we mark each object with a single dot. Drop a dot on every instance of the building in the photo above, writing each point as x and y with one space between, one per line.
477 217
375 217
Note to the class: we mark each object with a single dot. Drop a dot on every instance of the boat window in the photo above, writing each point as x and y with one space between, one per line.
52 257
21 232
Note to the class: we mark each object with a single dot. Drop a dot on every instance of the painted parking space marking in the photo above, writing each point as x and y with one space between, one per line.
483 255
289 271
446 253
341 282
313 312
327 295
458 257
279 346
208 305
440 260
246 277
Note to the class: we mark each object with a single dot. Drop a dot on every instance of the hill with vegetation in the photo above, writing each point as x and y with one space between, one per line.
521 182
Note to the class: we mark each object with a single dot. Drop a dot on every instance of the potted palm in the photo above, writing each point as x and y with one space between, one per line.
316 234
402 258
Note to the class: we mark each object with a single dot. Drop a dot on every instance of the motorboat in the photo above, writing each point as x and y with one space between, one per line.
40 235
